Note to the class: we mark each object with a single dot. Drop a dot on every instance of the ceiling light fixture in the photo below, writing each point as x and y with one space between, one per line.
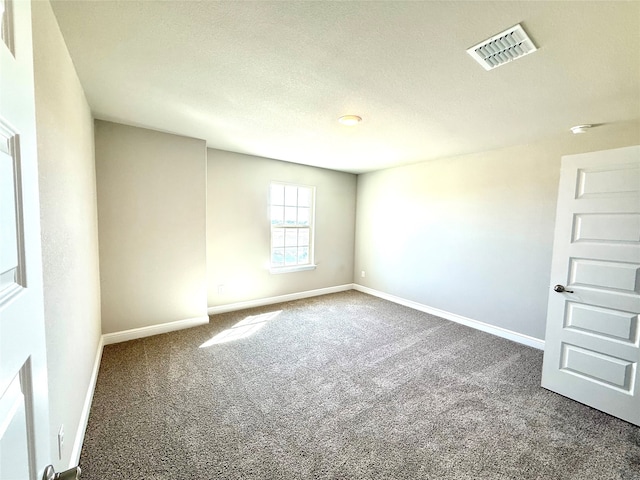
350 120
580 128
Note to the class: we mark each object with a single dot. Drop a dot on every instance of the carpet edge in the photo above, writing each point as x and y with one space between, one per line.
469 322
86 408
148 331
260 302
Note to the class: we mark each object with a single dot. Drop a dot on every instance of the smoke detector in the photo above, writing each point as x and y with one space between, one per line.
350 120
502 48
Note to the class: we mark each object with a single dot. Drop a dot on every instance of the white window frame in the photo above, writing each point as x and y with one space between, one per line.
289 267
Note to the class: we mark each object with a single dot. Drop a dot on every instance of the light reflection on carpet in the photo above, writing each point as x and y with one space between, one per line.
243 329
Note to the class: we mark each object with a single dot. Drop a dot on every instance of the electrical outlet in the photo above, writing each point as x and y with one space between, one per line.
362 274
220 289
60 441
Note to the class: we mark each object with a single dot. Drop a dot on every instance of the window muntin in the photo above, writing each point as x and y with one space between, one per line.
291 216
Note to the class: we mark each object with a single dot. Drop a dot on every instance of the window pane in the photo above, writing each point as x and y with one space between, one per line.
303 236
290 256
277 215
304 197
277 194
277 256
303 216
303 255
290 195
277 237
291 237
290 215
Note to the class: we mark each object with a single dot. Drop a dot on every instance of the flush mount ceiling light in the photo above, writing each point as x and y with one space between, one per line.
580 128
502 48
350 120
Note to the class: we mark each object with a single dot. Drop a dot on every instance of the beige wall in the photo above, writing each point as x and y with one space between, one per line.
69 228
472 235
238 242
151 211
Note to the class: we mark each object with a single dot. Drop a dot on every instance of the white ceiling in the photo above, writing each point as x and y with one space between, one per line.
271 78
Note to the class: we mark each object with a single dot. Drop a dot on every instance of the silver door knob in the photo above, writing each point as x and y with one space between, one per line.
561 289
71 474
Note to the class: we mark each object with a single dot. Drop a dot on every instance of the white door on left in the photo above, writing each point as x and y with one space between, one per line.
24 424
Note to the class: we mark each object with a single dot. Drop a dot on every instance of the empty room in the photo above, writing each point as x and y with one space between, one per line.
319 240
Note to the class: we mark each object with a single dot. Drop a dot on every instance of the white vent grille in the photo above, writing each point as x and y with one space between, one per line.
502 48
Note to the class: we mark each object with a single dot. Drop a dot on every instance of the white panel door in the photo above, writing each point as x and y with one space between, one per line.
591 346
24 424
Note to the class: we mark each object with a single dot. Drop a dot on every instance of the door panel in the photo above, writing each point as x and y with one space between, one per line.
11 231
592 338
604 275
602 321
597 366
607 227
24 423
14 430
616 180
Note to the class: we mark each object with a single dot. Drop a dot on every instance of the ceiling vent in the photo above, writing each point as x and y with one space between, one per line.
502 48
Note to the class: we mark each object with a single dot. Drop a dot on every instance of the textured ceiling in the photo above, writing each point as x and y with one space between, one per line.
271 78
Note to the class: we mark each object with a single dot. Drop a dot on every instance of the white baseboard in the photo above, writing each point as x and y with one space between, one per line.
142 332
74 460
230 307
469 322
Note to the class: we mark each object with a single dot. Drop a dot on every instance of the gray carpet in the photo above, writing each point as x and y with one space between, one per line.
343 386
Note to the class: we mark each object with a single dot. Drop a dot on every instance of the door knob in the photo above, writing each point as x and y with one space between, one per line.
71 474
561 288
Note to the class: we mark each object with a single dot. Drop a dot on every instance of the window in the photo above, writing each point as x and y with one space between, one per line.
291 215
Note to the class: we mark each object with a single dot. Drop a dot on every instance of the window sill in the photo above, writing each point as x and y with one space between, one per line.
295 268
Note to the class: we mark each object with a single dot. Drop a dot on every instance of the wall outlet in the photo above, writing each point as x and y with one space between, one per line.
362 274
60 441
220 289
